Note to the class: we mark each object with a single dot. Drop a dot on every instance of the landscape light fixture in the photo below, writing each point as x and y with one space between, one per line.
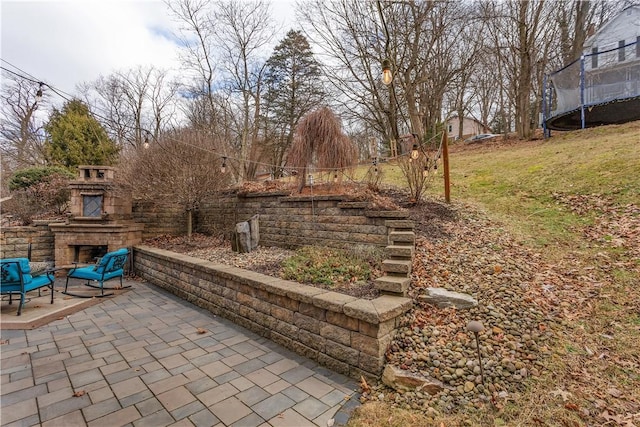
39 93
476 327
387 75
414 152
223 168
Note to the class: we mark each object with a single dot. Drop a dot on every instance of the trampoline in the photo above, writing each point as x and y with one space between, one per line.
597 89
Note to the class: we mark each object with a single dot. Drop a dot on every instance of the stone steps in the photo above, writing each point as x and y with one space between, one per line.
397 266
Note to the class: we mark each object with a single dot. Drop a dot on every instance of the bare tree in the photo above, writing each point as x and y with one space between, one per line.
181 165
135 104
423 42
522 34
244 28
22 142
224 42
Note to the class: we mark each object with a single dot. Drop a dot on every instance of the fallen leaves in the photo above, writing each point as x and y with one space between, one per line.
620 420
563 393
364 387
79 393
201 331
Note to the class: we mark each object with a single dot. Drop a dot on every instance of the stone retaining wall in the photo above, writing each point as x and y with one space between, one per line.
14 242
293 221
344 333
160 218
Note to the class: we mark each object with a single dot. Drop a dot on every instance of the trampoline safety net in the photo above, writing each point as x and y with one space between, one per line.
594 80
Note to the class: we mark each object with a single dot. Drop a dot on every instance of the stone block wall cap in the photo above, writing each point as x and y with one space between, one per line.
306 198
390 306
387 214
263 194
332 301
304 293
378 310
363 310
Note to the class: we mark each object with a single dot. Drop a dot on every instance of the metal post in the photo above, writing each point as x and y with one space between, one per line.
445 165
582 119
544 106
550 103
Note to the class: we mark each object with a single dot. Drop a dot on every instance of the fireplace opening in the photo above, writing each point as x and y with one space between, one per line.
88 254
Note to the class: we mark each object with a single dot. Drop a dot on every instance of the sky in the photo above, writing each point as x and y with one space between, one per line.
64 43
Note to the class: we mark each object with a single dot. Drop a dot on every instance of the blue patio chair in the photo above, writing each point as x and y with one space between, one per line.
110 266
16 278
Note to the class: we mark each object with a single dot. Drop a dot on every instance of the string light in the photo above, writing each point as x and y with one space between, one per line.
413 155
335 176
387 75
223 168
425 172
414 152
39 93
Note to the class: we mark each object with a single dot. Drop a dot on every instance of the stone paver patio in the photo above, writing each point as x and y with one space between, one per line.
147 358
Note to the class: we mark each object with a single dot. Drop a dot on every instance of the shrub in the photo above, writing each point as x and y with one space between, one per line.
38 192
26 178
326 266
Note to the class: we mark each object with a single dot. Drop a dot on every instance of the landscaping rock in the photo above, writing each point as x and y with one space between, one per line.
400 379
443 298
241 241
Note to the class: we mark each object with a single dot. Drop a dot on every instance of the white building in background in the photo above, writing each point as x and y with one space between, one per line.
470 127
616 33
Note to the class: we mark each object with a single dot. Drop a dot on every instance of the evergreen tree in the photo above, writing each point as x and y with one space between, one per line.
294 88
75 138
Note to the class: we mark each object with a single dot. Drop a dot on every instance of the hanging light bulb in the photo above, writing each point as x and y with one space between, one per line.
145 144
335 177
310 179
425 172
387 75
223 169
414 152
39 93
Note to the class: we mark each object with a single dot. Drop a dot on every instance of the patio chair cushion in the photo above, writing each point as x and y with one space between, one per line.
10 271
15 278
38 268
111 265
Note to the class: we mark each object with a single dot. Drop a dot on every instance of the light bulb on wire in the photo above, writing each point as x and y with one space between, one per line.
414 152
39 93
387 75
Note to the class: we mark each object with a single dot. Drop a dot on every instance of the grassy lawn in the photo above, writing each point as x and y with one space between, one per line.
566 198
517 184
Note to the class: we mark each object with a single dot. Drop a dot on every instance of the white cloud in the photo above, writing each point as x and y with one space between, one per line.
64 43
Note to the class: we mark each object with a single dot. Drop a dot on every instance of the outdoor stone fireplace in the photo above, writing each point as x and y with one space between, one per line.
101 218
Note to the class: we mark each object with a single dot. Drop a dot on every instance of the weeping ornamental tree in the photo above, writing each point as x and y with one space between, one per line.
320 141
